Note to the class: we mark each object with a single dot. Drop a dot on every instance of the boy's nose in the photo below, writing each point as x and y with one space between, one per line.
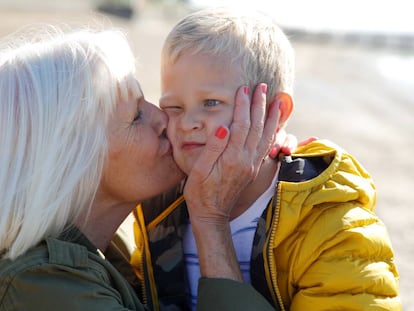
190 121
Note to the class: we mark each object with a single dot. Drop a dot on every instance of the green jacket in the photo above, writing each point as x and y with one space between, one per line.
70 274
318 244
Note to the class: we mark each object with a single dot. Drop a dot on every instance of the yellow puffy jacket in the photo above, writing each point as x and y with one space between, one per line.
318 246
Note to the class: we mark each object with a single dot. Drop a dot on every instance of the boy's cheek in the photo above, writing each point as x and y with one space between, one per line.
171 130
228 116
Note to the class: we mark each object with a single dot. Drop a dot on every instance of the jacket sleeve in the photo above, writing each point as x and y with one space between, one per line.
349 265
57 288
228 295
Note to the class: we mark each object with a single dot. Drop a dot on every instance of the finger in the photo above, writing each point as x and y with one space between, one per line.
240 126
274 151
257 116
307 140
291 143
280 141
214 147
271 123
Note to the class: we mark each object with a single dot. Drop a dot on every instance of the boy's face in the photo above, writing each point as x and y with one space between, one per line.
197 93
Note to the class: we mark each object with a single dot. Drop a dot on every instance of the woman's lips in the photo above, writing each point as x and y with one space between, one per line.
166 147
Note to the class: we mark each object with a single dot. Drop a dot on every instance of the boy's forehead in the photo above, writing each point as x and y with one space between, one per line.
222 62
203 66
200 75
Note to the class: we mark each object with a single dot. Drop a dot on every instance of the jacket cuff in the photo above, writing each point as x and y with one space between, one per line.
224 294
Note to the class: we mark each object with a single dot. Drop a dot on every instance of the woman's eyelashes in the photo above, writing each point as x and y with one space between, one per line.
138 116
139 111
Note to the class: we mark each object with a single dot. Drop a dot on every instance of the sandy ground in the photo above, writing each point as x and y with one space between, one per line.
359 96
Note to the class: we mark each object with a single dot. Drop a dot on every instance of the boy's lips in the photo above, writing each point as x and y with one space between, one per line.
191 145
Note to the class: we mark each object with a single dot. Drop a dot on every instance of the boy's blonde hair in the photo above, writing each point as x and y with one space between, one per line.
251 40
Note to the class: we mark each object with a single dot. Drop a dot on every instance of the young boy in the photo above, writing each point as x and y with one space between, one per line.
304 231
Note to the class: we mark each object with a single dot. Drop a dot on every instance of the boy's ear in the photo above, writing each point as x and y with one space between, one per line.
285 108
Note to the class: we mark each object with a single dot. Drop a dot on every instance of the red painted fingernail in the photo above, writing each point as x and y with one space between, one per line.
221 132
285 150
273 152
246 90
264 88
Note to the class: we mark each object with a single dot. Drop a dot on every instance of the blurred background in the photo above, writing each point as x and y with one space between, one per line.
354 80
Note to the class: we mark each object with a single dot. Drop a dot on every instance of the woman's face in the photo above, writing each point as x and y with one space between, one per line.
140 164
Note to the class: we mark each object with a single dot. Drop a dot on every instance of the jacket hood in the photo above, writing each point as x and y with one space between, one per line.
320 175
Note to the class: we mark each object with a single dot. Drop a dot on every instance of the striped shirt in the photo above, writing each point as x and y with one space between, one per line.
243 229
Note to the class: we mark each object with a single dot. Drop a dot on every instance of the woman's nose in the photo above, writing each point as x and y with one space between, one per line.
163 122
159 119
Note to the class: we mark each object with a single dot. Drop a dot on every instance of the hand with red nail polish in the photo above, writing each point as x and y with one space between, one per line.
229 162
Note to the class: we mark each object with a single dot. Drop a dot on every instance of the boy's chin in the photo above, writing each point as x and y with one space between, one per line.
186 167
186 164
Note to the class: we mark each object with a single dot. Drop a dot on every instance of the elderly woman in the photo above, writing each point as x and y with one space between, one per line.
80 148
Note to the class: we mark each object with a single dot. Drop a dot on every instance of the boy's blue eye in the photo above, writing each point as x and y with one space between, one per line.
211 102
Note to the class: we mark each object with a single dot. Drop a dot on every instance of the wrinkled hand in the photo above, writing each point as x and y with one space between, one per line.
231 159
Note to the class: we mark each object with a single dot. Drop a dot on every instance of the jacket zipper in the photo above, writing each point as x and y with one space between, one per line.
145 256
272 281
142 281
147 259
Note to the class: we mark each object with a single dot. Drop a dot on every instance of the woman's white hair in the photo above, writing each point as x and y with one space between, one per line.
248 39
57 92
